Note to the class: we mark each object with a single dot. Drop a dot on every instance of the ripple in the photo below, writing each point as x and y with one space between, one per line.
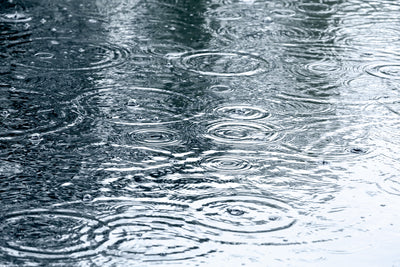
235 161
370 36
316 9
220 89
319 70
242 112
127 158
390 185
51 234
154 239
163 49
242 133
387 71
226 164
227 64
8 169
297 105
14 31
65 54
227 13
155 137
147 229
283 13
139 106
344 143
244 214
16 17
26 112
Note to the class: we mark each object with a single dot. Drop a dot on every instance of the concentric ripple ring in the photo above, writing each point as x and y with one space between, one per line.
227 64
51 234
244 214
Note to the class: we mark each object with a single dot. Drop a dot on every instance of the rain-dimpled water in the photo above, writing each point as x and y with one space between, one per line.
199 133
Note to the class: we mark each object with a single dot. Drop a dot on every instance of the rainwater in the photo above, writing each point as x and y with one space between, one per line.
199 133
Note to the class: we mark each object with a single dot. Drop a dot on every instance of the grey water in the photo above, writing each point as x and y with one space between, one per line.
199 133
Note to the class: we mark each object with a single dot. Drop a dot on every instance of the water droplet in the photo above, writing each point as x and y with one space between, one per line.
5 113
357 150
132 102
35 138
235 212
87 198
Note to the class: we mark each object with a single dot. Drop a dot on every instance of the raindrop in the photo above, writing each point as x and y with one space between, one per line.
235 212
35 138
5 113
132 102
357 150
87 198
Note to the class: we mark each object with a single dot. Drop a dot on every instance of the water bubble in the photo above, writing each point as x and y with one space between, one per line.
5 113
132 102
87 198
35 138
235 212
43 55
357 150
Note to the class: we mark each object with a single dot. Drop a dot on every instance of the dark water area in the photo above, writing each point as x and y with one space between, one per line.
199 133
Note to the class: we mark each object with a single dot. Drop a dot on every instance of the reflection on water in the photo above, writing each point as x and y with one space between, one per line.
218 132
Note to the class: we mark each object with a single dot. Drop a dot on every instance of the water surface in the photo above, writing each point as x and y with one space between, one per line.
198 133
